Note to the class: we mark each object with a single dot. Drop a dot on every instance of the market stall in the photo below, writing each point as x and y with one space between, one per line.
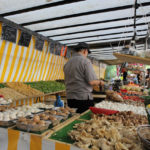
37 38
122 107
102 131
24 127
67 134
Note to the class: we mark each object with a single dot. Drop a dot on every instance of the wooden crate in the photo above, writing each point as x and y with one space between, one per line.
64 145
61 125
39 135
65 123
132 59
99 96
52 130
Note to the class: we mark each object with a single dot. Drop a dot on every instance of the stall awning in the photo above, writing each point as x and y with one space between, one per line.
102 24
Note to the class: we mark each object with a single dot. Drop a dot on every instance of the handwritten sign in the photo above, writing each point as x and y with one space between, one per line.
9 33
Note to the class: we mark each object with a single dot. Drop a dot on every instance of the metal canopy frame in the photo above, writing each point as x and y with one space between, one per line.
59 31
79 15
64 2
85 24
84 14
101 29
105 39
99 35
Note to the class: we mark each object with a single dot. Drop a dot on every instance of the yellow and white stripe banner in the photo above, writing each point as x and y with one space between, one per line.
25 64
15 140
29 101
19 63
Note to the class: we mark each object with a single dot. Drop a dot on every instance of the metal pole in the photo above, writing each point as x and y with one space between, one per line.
99 69
144 78
135 7
146 39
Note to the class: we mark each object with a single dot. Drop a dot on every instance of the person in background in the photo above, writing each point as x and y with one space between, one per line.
142 78
125 74
148 78
121 76
135 79
138 77
147 74
80 79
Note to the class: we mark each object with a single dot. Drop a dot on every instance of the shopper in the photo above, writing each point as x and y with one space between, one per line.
79 79
147 74
135 79
125 74
148 78
138 76
142 78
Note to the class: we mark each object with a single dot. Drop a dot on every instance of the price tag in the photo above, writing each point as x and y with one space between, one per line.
25 39
9 33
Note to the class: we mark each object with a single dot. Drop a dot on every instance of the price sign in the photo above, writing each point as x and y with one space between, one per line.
9 33
39 44
52 47
25 39
57 48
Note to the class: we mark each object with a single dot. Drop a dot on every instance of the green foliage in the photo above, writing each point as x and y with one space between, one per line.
47 86
2 85
86 116
62 134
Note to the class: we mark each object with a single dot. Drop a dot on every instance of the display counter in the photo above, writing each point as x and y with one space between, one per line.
12 139
57 138
16 140
35 99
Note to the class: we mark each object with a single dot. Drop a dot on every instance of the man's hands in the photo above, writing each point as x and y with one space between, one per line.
101 83
96 82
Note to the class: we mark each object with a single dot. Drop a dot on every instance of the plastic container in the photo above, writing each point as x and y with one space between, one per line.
103 111
123 90
7 123
32 128
144 135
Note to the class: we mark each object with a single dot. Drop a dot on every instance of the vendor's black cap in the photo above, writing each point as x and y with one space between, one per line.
82 45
